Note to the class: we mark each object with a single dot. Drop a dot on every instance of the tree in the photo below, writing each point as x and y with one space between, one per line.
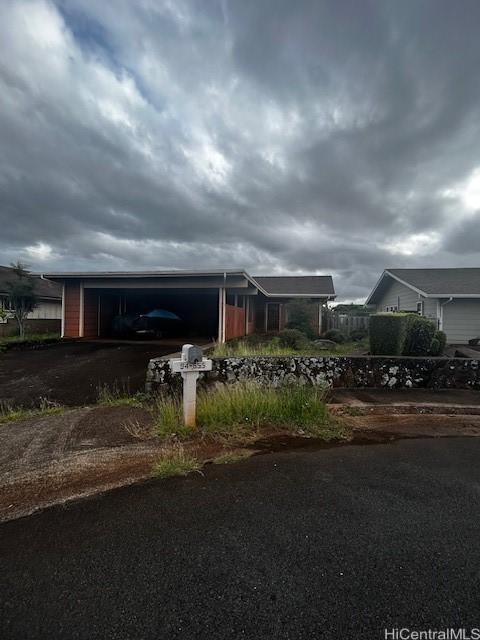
301 317
21 295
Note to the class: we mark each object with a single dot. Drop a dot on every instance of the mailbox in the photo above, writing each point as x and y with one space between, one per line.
191 354
190 365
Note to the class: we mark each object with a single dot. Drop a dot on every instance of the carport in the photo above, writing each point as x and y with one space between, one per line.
211 305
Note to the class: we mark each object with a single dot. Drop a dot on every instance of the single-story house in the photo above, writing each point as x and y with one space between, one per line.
218 305
47 315
449 297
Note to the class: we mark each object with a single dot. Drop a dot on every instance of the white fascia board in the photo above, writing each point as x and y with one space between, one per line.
453 295
367 301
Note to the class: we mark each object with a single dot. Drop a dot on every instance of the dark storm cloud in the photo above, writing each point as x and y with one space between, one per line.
338 137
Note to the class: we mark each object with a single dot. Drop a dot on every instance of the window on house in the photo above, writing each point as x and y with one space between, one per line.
420 307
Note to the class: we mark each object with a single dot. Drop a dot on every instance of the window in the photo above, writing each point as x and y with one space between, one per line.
420 307
5 304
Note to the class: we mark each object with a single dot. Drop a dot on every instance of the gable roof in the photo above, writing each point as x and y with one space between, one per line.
43 288
307 286
463 282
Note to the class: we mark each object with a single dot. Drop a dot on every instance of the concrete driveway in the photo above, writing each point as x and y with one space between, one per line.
338 543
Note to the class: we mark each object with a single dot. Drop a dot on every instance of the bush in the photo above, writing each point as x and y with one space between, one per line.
292 338
439 342
335 335
419 336
358 334
387 333
301 317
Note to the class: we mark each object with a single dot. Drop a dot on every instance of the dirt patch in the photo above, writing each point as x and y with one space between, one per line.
58 457
71 373
79 452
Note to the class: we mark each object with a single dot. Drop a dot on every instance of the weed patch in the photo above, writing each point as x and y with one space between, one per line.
230 457
277 346
9 413
240 411
115 397
175 461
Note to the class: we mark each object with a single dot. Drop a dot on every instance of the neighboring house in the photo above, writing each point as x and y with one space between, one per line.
449 297
214 304
47 315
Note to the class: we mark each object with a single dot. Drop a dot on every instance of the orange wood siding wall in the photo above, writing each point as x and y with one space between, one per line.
234 322
90 313
72 309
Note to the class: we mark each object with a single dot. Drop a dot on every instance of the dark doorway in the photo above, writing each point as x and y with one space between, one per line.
273 316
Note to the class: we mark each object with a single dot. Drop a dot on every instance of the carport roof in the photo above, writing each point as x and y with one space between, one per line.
270 286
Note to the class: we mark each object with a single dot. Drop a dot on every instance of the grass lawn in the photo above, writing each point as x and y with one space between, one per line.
10 342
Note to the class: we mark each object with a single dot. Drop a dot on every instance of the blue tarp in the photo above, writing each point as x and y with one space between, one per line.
161 313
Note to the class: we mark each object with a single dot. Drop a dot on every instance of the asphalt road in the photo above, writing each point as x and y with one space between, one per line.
338 543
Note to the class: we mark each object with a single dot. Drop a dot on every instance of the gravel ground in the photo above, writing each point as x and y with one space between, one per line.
338 543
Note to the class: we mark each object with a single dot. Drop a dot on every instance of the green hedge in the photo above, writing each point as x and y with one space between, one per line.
387 333
419 336
439 343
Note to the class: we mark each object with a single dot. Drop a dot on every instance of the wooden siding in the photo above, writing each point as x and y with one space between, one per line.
430 308
72 309
398 293
90 313
461 320
234 322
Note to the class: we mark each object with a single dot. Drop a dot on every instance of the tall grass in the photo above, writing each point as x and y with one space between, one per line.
272 347
240 410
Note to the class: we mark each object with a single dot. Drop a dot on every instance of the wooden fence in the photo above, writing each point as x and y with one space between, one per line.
344 322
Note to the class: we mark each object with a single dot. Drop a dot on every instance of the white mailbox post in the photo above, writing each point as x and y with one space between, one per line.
190 365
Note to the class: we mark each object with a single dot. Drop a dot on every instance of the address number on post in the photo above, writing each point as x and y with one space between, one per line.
180 366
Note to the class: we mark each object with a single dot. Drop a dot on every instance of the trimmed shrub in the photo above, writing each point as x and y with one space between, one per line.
358 334
387 333
335 335
419 336
439 343
292 338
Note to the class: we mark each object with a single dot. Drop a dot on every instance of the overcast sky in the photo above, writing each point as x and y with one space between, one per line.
336 137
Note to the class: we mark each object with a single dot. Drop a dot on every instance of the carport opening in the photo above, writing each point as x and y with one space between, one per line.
196 309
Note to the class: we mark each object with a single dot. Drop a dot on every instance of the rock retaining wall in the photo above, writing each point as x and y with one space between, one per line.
336 371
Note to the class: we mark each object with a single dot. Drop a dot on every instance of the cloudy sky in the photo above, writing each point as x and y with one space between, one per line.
283 137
